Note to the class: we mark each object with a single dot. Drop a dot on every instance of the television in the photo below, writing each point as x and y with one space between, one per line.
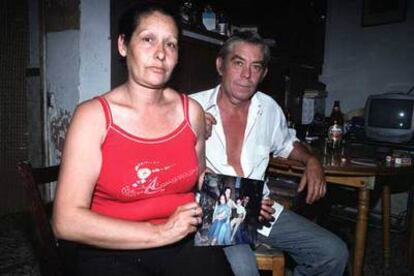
389 117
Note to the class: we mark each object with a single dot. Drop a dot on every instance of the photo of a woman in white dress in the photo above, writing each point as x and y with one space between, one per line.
238 219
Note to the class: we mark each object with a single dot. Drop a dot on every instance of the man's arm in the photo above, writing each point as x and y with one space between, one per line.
313 175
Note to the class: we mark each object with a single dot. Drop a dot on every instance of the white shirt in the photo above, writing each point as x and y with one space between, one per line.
266 132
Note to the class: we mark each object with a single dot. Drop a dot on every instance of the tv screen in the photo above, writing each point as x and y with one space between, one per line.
389 117
391 113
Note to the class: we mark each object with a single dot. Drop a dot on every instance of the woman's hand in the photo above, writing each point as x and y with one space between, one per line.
182 222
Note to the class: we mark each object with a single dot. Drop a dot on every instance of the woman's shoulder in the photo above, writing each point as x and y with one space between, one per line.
89 106
194 108
90 110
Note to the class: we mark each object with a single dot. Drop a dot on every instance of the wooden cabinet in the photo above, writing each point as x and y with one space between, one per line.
297 26
196 69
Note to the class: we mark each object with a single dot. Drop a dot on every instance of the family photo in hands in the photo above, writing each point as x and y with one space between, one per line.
231 207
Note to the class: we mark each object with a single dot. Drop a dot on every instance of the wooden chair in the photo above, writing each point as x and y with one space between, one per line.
45 244
268 258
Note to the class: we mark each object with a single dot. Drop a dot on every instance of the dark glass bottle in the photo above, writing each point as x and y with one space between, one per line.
336 124
222 25
289 120
336 115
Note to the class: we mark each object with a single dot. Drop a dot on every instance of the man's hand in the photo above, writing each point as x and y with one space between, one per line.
266 212
314 177
210 121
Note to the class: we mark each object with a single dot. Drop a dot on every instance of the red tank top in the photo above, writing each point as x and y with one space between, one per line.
145 179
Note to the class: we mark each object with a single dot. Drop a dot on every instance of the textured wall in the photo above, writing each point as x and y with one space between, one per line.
77 67
62 84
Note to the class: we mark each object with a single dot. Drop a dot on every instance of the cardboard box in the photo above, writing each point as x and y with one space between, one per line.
310 106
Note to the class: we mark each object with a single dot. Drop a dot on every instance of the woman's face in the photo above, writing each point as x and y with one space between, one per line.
222 199
152 52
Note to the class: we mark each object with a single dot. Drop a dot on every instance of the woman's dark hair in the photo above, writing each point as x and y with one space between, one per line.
131 18
220 195
249 37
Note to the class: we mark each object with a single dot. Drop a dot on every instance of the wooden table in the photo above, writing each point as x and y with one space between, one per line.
363 179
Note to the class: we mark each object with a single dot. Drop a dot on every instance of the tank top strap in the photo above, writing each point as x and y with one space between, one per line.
106 109
184 99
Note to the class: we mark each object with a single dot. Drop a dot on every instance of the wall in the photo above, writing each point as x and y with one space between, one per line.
34 90
62 82
14 61
95 48
360 61
77 63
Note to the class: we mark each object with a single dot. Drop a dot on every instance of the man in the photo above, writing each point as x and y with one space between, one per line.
248 126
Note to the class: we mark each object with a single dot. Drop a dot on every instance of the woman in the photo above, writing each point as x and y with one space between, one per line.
131 160
220 231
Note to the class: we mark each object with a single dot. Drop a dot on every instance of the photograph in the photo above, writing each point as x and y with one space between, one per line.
231 207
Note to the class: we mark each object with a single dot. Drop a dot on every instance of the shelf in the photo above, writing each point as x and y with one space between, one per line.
203 37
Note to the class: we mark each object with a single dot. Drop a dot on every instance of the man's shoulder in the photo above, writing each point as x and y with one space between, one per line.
202 94
267 101
203 97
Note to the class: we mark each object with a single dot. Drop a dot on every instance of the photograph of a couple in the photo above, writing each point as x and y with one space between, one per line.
231 207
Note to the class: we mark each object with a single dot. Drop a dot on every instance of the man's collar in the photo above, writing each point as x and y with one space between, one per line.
212 100
255 103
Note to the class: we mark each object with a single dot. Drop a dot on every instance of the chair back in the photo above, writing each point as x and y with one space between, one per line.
45 244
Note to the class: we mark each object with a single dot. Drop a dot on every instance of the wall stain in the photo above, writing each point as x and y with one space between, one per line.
59 124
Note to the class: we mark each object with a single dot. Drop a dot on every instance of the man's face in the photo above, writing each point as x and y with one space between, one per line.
227 192
241 71
246 200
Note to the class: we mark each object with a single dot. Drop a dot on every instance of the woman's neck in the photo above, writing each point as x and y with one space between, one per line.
138 95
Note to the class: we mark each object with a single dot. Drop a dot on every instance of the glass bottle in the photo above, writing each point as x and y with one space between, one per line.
209 18
336 114
289 120
335 128
222 24
335 134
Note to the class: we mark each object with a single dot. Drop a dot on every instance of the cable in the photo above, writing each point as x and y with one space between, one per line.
411 90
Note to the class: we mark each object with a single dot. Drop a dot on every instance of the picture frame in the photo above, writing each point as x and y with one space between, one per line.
231 207
379 12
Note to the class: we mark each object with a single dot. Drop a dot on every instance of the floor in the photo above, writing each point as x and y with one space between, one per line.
374 261
16 254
